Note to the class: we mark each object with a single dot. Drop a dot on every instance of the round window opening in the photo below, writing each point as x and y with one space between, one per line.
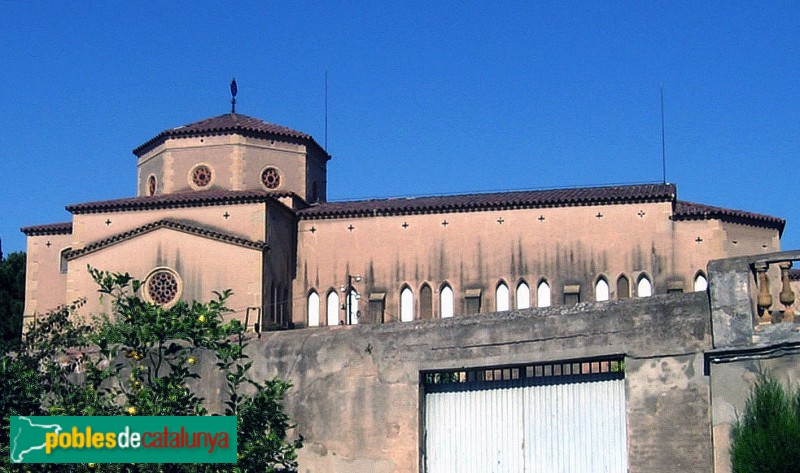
162 287
271 178
201 176
151 185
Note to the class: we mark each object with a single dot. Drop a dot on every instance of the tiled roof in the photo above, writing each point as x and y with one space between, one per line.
62 228
229 123
185 227
178 200
495 201
693 211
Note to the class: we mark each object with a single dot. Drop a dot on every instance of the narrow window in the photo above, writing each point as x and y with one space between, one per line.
446 302
623 288
601 290
543 295
352 318
644 288
501 298
425 302
313 309
523 296
700 283
406 305
63 263
333 309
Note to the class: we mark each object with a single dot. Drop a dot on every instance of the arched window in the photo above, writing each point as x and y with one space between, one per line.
623 288
313 309
446 302
352 319
644 288
425 302
523 295
501 294
601 290
333 309
406 305
543 295
700 282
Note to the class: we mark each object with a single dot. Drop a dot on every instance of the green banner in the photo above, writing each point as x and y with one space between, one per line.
173 439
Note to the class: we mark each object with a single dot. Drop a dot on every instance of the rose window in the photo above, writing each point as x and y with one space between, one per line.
162 287
201 176
271 178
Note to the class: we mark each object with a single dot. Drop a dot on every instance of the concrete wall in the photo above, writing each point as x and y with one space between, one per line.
356 395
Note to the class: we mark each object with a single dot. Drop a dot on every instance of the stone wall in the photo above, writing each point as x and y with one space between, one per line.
356 395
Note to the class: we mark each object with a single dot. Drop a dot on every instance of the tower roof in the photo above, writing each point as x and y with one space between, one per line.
230 123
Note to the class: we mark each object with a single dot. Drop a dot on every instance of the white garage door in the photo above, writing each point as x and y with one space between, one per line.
557 417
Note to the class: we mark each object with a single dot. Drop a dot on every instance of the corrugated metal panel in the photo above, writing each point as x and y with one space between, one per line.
558 428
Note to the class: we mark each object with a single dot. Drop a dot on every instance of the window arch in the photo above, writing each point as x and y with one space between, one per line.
623 287
523 295
406 304
644 288
700 282
446 302
333 309
501 295
601 290
543 294
425 302
313 309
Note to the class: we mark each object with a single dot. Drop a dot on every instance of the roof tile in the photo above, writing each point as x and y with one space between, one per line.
180 199
225 124
185 227
694 211
494 201
62 228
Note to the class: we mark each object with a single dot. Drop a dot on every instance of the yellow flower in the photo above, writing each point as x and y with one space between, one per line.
191 360
132 410
201 319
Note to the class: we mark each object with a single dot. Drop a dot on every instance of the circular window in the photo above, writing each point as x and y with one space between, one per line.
162 287
201 175
151 185
271 178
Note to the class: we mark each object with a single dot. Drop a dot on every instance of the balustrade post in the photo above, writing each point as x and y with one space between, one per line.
764 296
787 295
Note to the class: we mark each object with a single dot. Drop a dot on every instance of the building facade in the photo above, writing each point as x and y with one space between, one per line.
235 202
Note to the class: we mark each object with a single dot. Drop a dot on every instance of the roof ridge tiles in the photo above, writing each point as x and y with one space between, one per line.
225 124
181 225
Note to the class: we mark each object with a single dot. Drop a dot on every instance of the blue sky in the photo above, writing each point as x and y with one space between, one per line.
424 97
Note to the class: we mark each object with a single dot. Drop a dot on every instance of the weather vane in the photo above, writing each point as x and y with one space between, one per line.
234 89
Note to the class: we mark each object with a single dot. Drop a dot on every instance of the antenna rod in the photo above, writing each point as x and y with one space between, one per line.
326 109
663 142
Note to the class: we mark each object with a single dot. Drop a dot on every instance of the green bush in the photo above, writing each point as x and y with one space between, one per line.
140 361
766 438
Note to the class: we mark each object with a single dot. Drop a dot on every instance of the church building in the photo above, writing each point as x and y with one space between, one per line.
233 202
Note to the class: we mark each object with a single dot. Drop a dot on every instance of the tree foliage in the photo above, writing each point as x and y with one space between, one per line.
766 438
12 296
143 360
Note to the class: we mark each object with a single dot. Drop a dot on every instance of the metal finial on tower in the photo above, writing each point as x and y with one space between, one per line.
234 90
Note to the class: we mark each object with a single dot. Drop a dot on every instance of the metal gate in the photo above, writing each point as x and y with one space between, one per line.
555 417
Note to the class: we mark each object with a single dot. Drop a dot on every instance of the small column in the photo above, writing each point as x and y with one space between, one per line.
764 296
787 295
